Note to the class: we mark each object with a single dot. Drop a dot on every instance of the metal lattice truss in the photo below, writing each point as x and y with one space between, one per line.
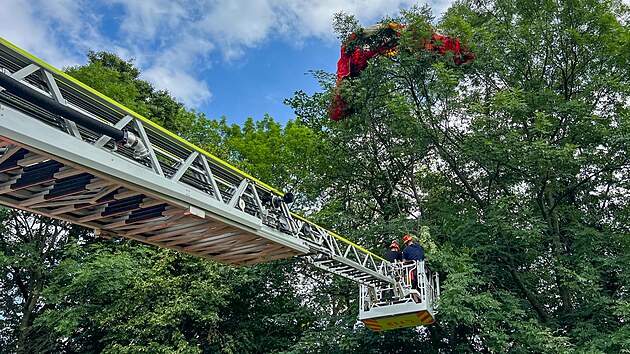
162 191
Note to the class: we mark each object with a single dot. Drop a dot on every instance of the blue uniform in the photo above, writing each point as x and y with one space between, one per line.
413 252
393 256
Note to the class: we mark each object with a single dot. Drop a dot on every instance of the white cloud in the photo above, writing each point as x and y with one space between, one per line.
173 42
190 90
439 6
57 31
25 29
316 19
148 19
187 52
173 69
245 22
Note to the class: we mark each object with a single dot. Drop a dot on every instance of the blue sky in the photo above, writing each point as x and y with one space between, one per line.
233 58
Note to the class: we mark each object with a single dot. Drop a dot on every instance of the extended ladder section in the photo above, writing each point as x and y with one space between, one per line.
69 152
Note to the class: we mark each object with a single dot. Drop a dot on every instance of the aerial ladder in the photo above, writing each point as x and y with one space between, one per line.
71 153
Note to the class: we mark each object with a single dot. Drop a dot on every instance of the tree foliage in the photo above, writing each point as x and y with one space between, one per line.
517 163
511 170
31 246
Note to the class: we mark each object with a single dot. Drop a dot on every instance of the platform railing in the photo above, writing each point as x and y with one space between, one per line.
415 282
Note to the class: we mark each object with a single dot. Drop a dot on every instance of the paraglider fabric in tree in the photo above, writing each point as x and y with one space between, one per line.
354 58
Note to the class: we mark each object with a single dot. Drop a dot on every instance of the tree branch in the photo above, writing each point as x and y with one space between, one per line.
531 297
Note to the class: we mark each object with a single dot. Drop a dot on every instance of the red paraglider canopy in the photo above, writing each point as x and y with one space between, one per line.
354 58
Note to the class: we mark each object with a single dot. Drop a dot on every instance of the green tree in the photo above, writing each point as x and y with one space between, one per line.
123 297
282 156
30 247
517 163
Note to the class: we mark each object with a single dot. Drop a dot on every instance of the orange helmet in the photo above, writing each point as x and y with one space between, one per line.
394 245
407 238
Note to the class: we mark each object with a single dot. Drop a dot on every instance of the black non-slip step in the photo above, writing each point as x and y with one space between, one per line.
121 206
12 162
69 186
146 214
37 174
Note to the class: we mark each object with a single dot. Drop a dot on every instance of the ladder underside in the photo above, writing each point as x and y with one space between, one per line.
45 184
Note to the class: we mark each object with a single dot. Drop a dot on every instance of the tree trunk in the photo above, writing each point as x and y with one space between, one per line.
554 225
25 323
